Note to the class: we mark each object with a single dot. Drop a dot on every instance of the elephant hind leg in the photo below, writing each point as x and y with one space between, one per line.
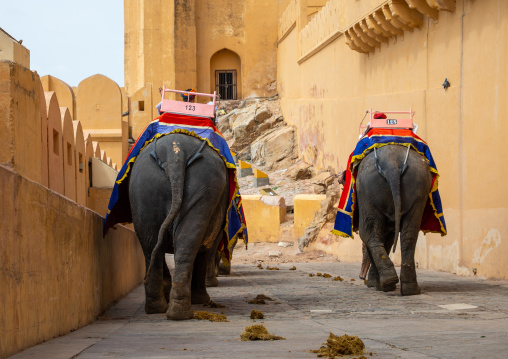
409 284
155 280
156 301
372 235
167 281
212 270
373 280
199 294
190 265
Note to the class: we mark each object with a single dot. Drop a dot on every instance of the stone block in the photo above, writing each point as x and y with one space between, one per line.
259 182
305 206
244 169
264 214
244 172
260 178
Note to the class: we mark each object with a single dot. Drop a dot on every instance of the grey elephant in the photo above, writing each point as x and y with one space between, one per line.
392 193
179 195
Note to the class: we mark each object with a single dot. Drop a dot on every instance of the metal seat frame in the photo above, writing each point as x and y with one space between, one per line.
189 108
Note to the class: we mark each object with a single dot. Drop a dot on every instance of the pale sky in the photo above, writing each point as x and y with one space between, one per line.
69 39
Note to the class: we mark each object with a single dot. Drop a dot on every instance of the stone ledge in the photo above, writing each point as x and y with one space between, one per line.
264 214
305 206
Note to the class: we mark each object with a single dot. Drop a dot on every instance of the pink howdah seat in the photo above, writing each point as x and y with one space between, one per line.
395 119
189 108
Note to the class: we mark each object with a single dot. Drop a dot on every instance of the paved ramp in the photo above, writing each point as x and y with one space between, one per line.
455 317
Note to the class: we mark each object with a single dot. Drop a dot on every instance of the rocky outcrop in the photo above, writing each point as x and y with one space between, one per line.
300 171
243 125
276 149
247 123
322 181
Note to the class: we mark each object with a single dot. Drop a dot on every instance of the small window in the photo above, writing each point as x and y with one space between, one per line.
69 154
56 142
141 105
81 164
225 84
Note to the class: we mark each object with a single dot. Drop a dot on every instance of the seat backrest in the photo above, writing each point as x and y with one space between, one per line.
189 108
399 119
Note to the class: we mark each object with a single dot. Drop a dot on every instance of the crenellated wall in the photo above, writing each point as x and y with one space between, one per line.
288 19
57 272
326 85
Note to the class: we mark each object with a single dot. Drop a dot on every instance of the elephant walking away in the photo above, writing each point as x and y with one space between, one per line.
391 197
181 209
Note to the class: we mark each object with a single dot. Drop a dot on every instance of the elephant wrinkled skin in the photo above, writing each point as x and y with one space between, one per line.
388 201
181 209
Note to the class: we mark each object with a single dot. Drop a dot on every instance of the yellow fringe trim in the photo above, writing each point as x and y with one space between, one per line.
341 234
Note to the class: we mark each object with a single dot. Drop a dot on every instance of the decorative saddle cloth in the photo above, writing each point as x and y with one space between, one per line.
168 123
346 221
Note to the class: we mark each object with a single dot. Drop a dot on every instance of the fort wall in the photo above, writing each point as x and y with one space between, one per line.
395 55
57 271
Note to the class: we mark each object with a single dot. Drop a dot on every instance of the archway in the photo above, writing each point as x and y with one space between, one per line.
225 74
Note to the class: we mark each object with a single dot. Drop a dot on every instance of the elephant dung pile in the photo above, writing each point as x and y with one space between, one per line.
256 314
338 346
258 332
260 299
204 315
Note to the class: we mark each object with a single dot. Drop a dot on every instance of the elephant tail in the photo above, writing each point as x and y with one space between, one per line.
393 179
394 182
176 175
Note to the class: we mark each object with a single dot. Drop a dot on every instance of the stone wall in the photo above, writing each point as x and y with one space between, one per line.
326 92
172 43
57 272
12 50
38 138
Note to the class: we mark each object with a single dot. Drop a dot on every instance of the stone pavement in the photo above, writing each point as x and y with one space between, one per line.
305 310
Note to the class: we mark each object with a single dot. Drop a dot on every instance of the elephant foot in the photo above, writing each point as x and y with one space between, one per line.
373 283
389 288
388 278
179 313
212 282
153 307
199 297
409 289
224 270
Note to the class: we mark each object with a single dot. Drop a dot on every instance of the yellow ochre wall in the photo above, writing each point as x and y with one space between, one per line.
57 272
99 109
326 87
12 50
172 42
149 45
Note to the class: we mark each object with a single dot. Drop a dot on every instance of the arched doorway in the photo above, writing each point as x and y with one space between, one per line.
225 74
